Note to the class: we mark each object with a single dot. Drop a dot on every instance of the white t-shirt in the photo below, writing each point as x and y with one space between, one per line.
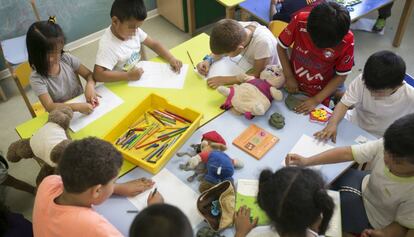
262 45
387 198
45 139
115 54
376 115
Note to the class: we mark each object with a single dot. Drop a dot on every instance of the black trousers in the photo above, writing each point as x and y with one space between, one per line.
385 11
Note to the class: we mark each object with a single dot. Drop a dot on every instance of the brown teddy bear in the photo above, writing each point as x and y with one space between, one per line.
46 145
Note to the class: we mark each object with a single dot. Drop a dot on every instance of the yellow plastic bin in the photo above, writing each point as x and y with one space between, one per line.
140 156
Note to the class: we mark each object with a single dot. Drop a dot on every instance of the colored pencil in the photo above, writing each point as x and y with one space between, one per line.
156 118
157 140
124 144
191 60
165 115
178 130
177 116
136 123
147 136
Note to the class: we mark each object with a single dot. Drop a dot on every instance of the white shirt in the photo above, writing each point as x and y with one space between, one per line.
115 54
376 115
262 45
45 139
387 198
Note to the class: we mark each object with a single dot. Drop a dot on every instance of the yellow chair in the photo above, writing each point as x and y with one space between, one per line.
276 27
21 75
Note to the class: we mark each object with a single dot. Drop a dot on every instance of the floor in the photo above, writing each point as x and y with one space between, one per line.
14 112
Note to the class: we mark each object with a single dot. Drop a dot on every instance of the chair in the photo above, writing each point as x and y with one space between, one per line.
409 80
21 76
276 27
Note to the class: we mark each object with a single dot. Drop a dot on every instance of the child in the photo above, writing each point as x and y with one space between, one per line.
378 96
283 10
254 42
7 180
119 48
55 78
383 13
380 204
322 53
88 170
161 220
296 202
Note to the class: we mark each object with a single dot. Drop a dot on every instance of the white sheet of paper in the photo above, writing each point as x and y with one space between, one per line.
160 75
175 192
107 102
228 67
308 146
365 24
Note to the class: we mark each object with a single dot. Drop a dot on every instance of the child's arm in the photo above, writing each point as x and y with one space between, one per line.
259 66
329 132
272 8
164 53
327 91
332 156
47 102
90 94
394 229
102 74
204 66
133 187
291 83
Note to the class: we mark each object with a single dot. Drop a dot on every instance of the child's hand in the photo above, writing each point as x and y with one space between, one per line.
295 160
84 108
215 82
276 1
203 67
372 233
306 106
133 187
155 199
329 132
243 223
292 85
91 96
176 65
135 74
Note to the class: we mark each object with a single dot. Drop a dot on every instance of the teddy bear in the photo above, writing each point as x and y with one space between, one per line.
218 166
254 95
46 145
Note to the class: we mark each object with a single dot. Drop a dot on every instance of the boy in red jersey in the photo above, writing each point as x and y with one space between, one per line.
322 53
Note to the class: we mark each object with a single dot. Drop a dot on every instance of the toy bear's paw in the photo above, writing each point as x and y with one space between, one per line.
259 109
276 94
223 90
238 164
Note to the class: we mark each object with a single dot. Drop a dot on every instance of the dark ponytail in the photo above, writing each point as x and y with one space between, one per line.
326 205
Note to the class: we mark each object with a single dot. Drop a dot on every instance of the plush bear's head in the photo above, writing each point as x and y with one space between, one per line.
61 116
273 74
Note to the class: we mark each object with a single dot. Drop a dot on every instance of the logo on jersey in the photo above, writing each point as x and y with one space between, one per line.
298 48
328 53
302 72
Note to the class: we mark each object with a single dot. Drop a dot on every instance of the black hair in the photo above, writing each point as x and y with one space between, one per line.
129 9
399 139
161 220
88 162
42 38
328 23
383 70
294 198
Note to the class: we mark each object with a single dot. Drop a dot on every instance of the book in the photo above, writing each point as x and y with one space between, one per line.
255 141
246 195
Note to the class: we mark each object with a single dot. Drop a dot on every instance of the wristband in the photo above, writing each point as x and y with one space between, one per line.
209 59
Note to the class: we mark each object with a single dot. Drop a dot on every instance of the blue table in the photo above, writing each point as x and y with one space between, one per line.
230 126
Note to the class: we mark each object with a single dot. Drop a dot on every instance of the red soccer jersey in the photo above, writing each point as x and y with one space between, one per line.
314 67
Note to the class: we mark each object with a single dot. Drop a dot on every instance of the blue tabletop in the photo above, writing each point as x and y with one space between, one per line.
230 126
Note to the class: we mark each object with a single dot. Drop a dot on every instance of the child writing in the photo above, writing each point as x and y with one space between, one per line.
88 170
55 78
119 47
296 202
254 42
322 53
382 203
378 96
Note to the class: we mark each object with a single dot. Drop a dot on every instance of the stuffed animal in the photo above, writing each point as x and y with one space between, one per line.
254 95
46 145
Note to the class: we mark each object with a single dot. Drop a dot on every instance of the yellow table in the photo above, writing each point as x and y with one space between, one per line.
230 6
195 95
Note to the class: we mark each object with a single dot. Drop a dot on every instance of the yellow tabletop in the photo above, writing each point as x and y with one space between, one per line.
195 95
230 3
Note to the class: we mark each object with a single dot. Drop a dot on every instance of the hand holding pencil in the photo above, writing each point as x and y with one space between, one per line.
155 197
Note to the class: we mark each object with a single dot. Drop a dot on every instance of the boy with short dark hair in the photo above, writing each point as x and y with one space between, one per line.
88 170
322 53
254 42
378 96
119 47
382 203
161 220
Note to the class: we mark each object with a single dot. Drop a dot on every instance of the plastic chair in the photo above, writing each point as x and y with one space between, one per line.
21 76
276 27
409 80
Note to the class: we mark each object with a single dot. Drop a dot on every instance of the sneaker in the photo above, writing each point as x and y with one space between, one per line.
379 25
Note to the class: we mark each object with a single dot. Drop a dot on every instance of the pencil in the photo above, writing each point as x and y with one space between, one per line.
177 116
175 131
132 211
157 140
153 115
191 60
153 193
